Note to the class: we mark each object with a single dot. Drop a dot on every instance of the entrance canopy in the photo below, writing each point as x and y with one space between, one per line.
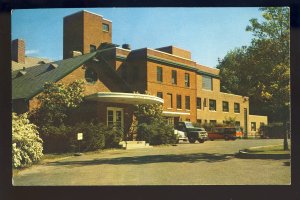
124 98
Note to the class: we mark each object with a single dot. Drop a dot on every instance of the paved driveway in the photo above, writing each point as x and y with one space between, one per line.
210 163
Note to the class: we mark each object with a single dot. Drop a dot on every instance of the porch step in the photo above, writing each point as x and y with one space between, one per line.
134 144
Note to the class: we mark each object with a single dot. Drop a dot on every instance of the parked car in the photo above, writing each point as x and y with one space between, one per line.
191 133
226 133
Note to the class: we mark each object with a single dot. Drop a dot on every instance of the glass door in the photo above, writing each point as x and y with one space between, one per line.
115 117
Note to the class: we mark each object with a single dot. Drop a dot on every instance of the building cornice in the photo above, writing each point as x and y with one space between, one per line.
180 65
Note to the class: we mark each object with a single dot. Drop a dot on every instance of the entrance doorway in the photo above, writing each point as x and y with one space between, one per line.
115 117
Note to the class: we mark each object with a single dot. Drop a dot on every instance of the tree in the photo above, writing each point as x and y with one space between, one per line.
27 146
261 70
148 113
152 126
57 101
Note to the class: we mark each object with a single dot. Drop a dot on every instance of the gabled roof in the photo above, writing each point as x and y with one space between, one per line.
26 86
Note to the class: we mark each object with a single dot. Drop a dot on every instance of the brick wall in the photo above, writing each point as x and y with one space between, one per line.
83 29
18 50
176 51
257 120
93 33
72 34
153 86
219 115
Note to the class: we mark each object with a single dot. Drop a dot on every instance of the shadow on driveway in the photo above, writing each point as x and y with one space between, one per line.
136 160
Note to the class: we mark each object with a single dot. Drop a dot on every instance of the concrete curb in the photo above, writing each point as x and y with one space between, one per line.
246 155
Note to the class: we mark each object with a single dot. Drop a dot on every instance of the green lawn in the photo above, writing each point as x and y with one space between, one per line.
278 149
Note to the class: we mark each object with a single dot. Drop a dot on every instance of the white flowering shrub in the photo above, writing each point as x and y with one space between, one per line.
27 146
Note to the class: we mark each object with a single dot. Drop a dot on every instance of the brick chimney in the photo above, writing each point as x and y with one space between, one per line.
18 50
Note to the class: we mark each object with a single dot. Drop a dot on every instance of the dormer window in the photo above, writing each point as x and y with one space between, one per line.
52 66
21 72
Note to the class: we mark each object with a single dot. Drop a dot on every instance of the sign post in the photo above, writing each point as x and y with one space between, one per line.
79 138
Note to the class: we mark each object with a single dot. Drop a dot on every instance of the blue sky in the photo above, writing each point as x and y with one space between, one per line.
209 33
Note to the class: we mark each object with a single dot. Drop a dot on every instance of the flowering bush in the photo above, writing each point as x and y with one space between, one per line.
26 144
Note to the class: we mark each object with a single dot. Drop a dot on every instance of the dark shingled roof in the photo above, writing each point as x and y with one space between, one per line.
27 85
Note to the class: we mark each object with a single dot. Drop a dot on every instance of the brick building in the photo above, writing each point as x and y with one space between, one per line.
189 91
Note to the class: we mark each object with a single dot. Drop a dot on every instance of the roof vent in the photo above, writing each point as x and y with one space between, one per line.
52 66
21 72
41 62
126 46
76 53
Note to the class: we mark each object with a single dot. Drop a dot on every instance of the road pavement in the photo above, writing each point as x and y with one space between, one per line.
210 163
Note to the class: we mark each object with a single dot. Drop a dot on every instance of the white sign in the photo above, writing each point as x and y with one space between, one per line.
79 136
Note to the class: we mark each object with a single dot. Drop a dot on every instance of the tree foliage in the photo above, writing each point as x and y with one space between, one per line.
57 100
148 113
26 144
262 70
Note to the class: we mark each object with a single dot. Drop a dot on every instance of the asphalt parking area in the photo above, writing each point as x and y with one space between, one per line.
210 163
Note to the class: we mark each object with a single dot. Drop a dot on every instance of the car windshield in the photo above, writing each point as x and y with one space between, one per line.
189 125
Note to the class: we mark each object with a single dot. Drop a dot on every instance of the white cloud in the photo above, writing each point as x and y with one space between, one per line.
32 51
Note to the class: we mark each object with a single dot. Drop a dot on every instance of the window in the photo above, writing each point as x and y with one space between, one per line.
90 75
169 101
212 104
207 82
225 106
92 48
187 103
198 103
179 101
253 126
174 77
170 120
236 107
213 122
160 95
105 27
199 121
237 123
187 80
159 74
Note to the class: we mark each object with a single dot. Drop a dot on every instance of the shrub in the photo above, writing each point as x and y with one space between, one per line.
93 136
26 144
112 137
156 133
64 138
57 139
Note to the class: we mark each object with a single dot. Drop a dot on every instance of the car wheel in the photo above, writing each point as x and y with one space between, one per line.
201 140
226 138
192 140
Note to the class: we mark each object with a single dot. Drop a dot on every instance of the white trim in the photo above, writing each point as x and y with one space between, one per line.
171 54
123 49
175 113
107 20
92 13
233 94
122 97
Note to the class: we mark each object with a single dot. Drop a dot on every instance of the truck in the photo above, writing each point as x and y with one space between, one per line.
191 133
